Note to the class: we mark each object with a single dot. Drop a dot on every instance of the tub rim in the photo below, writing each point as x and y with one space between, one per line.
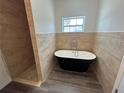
74 57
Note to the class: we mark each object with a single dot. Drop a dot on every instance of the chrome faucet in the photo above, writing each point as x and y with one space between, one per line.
74 46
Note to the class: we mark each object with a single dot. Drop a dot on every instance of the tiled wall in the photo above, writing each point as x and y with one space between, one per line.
4 74
46 48
33 37
109 48
65 40
15 40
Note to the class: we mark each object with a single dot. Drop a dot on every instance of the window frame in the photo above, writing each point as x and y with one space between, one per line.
73 17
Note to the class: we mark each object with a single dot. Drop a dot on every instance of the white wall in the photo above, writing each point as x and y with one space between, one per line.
43 13
4 75
111 15
88 8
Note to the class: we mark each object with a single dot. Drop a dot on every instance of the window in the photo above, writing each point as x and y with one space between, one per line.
73 24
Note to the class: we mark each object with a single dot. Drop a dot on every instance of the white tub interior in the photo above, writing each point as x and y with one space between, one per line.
75 54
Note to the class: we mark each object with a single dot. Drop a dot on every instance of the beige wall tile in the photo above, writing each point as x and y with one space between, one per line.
109 48
85 40
46 48
15 41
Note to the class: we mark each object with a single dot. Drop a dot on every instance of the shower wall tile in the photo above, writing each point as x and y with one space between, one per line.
28 8
109 48
15 40
46 48
85 40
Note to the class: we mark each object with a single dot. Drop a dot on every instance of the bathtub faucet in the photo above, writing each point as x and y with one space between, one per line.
74 46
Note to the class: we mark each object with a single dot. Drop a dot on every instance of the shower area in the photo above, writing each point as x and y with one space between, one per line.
16 43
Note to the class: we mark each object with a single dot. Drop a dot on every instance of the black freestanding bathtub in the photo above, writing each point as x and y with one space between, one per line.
75 60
